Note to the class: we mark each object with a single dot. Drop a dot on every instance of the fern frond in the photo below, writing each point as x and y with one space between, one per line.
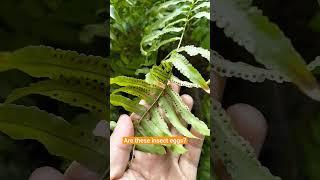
126 103
172 117
74 92
248 27
57 135
179 82
200 15
183 65
236 153
129 81
193 51
185 113
42 61
173 110
173 15
242 70
152 129
163 105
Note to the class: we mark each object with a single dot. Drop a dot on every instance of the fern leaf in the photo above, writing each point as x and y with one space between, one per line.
179 82
126 103
245 71
159 121
137 91
152 130
172 117
202 5
170 19
58 136
149 148
167 4
161 23
147 40
159 75
238 155
157 45
200 15
129 81
248 27
73 92
193 51
185 113
183 65
42 61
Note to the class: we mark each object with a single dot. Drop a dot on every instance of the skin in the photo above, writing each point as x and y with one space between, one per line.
247 120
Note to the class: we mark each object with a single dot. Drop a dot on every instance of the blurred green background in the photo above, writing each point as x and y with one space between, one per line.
292 147
67 24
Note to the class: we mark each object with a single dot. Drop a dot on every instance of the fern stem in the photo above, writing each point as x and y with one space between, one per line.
186 23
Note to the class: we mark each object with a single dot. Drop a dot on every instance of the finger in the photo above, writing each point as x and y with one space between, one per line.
78 172
175 87
189 161
249 123
119 152
47 173
102 129
188 100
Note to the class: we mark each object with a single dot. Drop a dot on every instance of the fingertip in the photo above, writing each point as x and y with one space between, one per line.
124 126
250 123
78 172
188 100
47 173
101 129
175 87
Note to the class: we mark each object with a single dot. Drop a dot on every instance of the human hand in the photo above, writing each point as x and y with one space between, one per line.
247 120
146 166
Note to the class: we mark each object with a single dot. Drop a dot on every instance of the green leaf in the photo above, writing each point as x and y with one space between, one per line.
248 27
149 148
186 114
179 82
226 68
148 39
129 81
173 118
126 103
58 136
193 51
200 15
159 121
42 61
183 65
142 93
74 92
152 129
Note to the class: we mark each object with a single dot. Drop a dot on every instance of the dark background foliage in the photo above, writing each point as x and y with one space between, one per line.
56 23
292 143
